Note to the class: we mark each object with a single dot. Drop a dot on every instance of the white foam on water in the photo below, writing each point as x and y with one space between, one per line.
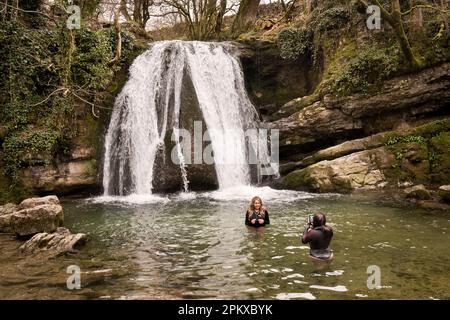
131 199
288 296
266 193
186 196
336 288
335 273
295 275
297 247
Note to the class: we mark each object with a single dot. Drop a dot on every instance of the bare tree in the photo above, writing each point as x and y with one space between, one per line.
246 16
204 18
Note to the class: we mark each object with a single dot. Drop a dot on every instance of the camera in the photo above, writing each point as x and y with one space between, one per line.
310 219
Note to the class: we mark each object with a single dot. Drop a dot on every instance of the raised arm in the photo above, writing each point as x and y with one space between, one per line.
308 234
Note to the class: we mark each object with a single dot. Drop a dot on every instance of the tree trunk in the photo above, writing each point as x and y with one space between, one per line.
445 19
395 20
417 19
245 17
124 10
220 14
118 52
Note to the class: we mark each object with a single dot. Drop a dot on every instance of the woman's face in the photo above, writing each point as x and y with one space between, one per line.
257 204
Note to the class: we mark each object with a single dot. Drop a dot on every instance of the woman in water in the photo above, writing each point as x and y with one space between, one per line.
257 215
319 236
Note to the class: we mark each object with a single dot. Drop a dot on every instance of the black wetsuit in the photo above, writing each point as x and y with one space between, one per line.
257 215
319 240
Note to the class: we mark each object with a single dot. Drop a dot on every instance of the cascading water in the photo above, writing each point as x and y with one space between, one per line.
149 105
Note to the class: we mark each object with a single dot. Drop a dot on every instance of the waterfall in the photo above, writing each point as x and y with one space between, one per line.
149 106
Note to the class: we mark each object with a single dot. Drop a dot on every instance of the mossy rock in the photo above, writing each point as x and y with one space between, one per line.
411 162
316 179
440 157
300 180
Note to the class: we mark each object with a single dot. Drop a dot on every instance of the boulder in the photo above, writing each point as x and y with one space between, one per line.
360 170
32 216
56 243
444 193
418 192
8 208
33 202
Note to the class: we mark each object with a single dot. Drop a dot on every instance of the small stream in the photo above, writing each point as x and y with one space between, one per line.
196 246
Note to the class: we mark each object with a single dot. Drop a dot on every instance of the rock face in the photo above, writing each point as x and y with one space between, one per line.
56 243
32 216
361 170
322 123
64 177
272 81
395 158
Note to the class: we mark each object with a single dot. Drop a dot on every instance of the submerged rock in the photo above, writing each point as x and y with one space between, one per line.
418 192
444 193
56 243
32 216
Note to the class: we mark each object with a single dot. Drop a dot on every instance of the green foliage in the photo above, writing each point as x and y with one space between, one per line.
412 138
36 147
331 19
294 43
368 68
38 110
90 66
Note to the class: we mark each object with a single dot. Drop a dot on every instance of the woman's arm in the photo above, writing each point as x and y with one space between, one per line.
266 217
247 221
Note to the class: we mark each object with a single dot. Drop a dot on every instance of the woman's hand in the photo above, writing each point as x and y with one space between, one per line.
253 221
261 221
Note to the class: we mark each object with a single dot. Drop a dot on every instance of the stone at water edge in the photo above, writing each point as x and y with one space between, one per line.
444 193
33 202
32 216
56 243
418 192
8 208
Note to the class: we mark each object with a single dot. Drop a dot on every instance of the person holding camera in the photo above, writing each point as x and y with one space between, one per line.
257 215
319 236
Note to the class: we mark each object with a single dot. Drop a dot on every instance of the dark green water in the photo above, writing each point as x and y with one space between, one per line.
197 247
